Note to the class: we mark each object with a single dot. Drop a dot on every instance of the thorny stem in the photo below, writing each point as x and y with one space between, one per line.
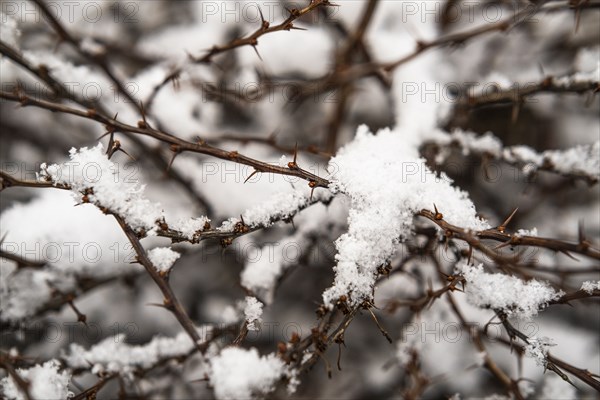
474 237
98 60
42 73
251 40
171 302
552 363
179 145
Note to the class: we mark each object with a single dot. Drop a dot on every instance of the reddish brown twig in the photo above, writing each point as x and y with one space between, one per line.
474 237
176 144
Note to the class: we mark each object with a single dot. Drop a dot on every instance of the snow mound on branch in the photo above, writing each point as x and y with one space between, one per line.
163 258
108 185
114 355
91 170
278 207
510 294
253 312
45 383
387 182
243 374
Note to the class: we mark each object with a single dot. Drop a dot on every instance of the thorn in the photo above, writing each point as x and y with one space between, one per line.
565 252
438 215
110 149
264 23
143 124
383 331
502 245
274 134
257 53
581 231
175 154
541 67
126 153
156 305
577 16
293 164
339 359
502 226
251 175
295 152
104 134
515 111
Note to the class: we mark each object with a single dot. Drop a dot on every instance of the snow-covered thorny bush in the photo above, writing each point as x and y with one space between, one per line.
300 199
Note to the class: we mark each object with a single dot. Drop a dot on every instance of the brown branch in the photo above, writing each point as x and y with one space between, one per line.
582 374
418 304
518 94
171 302
489 363
21 262
250 40
271 142
42 73
474 237
265 28
177 145
95 59
343 61
226 237
578 295
92 392
453 39
7 181
552 363
20 383
514 159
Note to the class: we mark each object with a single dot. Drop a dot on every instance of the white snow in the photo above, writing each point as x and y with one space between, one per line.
9 30
512 295
582 159
589 286
261 273
113 354
527 232
108 185
190 227
163 258
238 373
279 206
387 183
253 312
90 169
537 348
46 382
62 238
